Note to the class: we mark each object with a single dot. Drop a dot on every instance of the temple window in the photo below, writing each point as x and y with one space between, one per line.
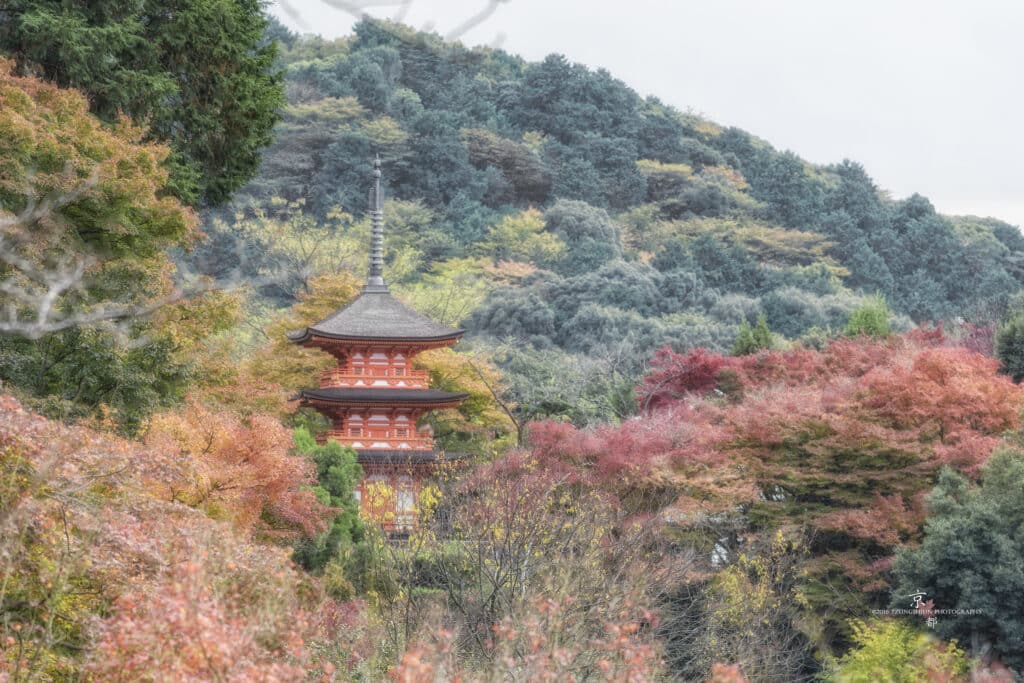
406 502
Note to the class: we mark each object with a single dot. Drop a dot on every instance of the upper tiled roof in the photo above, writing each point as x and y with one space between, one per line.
381 395
377 315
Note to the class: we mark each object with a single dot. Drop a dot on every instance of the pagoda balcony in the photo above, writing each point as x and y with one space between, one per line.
369 442
376 378
403 523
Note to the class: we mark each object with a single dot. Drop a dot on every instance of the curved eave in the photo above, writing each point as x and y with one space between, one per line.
383 399
310 335
403 457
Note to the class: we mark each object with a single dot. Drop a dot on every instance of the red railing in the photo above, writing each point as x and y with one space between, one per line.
342 437
340 377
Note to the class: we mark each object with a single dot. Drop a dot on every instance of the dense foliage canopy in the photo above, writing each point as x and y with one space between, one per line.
618 224
709 385
198 73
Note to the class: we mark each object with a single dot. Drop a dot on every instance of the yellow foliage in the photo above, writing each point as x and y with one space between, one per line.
335 110
288 364
522 237
651 166
773 245
385 131
451 290
509 272
889 650
379 500
190 322
480 413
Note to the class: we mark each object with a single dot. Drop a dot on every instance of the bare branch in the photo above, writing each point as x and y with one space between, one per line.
34 290
359 9
475 20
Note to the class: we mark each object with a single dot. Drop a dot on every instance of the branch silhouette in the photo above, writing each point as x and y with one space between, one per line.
360 10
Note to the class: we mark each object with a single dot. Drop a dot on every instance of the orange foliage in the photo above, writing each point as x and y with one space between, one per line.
726 673
238 468
889 522
185 632
147 588
842 441
946 389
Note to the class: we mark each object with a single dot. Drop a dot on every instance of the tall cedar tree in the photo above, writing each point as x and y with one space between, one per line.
199 73
970 558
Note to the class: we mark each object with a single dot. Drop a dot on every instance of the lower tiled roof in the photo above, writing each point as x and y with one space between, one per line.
403 457
384 396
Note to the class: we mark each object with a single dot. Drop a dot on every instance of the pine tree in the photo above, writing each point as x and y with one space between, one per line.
871 318
1010 346
198 72
970 558
753 339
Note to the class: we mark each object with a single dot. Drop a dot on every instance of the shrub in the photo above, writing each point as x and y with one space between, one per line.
888 650
753 339
1010 346
871 318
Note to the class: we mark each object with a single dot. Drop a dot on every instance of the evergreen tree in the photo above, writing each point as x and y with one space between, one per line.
753 339
970 558
198 72
1010 346
338 473
871 318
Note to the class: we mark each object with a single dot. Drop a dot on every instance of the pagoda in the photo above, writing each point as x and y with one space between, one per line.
374 397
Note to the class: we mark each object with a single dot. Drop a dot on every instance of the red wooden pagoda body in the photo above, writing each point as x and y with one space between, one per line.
375 397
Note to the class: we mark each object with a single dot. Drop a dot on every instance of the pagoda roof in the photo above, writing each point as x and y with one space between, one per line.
382 396
376 316
404 456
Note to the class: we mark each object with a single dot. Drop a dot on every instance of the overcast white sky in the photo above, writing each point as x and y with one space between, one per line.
927 95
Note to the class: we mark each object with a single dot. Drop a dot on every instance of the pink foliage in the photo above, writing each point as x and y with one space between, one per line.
534 649
823 426
192 598
726 673
949 389
966 451
992 672
635 451
930 337
182 631
979 338
675 375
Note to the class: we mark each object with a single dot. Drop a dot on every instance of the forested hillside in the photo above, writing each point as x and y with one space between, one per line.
726 412
561 209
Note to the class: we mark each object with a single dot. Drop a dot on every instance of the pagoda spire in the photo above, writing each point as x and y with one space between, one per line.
375 277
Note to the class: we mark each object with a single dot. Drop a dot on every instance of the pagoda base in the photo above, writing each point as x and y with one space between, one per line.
389 493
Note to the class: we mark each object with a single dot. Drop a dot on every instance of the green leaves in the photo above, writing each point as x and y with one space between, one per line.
871 318
197 72
751 340
338 474
1010 346
970 557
